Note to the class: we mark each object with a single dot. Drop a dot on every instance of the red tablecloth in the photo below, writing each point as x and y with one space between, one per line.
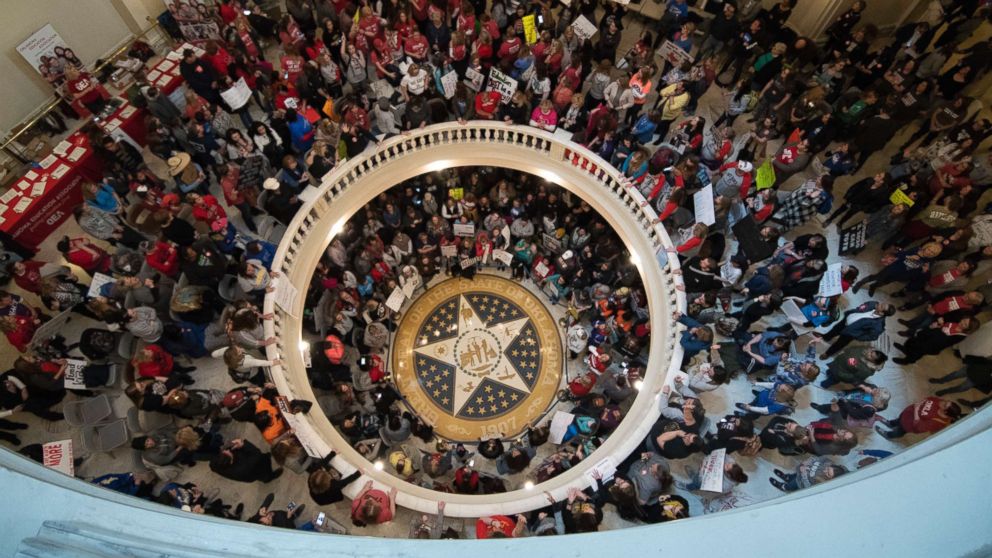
129 119
165 73
46 211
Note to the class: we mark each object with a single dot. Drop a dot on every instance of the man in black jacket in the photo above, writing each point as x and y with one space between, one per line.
200 76
242 461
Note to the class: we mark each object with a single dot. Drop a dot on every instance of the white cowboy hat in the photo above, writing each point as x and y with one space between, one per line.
178 163
270 184
745 166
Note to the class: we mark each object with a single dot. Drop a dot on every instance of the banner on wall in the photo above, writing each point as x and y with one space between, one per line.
49 55
195 19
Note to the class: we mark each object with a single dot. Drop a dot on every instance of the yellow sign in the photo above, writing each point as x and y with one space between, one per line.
765 177
899 197
530 29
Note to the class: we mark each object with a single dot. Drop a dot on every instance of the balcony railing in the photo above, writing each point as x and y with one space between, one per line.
354 183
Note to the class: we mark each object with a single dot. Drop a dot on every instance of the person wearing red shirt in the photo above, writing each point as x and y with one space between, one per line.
418 9
372 506
27 275
465 22
237 197
369 25
358 117
82 87
486 104
85 254
489 25
164 258
404 26
153 362
510 47
207 210
482 49
416 46
487 527
291 64
965 303
228 12
218 58
926 417
19 330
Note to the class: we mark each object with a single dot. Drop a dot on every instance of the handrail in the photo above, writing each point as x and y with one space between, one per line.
353 183
23 128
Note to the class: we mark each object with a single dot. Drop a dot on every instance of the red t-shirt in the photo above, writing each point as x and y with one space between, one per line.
416 47
80 84
160 365
385 514
487 102
500 523
923 417
291 65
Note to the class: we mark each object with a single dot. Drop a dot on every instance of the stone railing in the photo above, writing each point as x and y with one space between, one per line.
354 183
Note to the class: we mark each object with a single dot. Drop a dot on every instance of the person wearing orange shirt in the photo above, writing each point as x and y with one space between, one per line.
640 86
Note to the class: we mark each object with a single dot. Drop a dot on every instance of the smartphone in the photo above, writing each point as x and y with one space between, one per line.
290 506
319 522
247 12
540 19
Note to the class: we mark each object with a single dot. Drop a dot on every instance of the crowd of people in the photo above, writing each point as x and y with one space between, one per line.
189 250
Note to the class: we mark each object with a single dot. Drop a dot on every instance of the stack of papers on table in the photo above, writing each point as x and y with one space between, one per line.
62 148
60 171
76 154
9 196
22 205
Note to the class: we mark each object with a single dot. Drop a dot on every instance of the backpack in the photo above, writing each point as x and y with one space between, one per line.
97 344
661 160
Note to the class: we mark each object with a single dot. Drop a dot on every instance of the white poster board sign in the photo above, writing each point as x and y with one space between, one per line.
464 229
505 85
583 27
449 251
238 95
711 471
503 256
411 285
474 78
673 54
396 300
449 82
301 428
830 284
99 280
703 202
285 295
559 425
541 269
58 456
606 468
73 377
